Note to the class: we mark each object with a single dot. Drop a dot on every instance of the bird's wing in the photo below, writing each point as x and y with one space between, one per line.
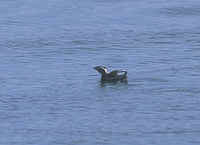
117 73
113 73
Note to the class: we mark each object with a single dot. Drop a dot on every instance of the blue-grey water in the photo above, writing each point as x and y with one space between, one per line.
51 95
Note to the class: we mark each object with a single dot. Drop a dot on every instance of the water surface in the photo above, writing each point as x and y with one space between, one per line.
50 94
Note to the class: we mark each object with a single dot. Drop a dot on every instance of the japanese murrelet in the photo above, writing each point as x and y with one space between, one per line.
113 76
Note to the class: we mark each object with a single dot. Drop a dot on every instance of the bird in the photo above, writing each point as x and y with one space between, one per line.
113 76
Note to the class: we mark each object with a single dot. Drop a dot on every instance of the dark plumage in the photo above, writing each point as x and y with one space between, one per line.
115 75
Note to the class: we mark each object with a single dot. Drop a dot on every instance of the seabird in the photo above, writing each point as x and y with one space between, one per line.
113 76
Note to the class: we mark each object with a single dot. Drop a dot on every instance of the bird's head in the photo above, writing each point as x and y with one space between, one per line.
101 69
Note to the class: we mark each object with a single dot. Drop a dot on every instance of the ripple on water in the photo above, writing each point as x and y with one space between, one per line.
182 11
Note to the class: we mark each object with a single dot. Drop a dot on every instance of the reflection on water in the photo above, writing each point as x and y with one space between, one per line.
113 83
50 93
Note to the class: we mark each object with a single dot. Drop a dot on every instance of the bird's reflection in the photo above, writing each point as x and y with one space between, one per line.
111 83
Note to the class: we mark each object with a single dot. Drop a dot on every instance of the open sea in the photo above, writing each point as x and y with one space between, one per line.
51 95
